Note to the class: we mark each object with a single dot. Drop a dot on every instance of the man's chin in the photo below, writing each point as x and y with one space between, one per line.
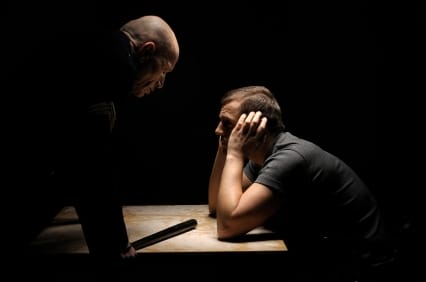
139 94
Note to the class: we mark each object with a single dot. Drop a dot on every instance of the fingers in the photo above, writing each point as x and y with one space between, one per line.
260 131
253 123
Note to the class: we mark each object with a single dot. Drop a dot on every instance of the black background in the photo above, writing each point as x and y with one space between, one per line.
337 69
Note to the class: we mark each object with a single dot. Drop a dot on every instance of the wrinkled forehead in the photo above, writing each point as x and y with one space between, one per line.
230 110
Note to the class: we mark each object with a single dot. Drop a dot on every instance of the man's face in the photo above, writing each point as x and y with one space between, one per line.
228 117
149 77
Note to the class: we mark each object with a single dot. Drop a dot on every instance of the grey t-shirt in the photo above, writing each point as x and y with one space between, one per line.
323 196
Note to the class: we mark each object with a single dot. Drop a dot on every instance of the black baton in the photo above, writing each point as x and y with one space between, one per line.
165 234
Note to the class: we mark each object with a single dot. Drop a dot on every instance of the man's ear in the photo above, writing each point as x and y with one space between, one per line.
146 50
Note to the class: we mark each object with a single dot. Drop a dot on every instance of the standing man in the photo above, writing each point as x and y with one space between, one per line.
70 94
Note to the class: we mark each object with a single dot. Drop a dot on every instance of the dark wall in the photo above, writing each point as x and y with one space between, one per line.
344 72
321 64
321 60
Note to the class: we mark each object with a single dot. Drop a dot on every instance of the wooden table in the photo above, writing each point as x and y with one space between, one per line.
64 235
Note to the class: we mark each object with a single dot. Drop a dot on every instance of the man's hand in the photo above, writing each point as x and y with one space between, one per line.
247 132
130 252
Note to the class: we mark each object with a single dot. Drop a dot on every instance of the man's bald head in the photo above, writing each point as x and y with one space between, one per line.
153 29
154 50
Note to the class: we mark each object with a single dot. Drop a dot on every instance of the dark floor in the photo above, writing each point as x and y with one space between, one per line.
188 267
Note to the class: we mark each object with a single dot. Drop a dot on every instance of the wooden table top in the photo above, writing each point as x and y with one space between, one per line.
64 235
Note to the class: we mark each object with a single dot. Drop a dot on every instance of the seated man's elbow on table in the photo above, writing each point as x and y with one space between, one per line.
226 232
224 228
254 209
233 226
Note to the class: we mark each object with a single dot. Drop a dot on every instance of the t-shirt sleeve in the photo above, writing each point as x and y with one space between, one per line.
281 172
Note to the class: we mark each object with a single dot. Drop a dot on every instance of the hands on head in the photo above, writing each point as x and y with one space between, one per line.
248 133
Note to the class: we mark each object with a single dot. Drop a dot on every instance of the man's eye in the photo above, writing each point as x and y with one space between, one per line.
229 127
226 124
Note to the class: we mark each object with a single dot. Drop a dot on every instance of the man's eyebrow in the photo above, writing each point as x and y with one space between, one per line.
224 117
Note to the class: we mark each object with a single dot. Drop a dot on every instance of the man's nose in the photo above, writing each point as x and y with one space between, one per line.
160 82
218 130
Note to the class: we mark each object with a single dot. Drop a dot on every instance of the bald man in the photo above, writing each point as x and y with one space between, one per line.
71 87
154 50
